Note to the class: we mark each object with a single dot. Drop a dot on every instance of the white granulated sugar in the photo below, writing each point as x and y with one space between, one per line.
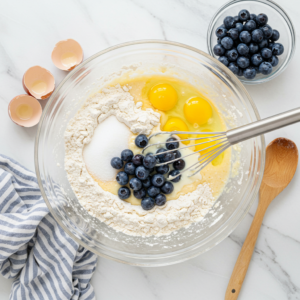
110 138
122 216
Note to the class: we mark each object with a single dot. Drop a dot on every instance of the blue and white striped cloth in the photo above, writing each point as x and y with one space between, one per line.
34 250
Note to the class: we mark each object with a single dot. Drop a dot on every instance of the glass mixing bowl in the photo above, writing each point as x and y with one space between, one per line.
209 76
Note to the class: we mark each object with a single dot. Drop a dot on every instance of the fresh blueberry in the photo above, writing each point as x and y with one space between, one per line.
266 53
124 192
277 49
233 33
239 27
147 182
167 188
229 22
179 164
243 62
265 68
257 70
141 141
233 67
172 143
245 37
267 30
249 73
256 59
232 55
129 168
141 172
273 61
177 154
257 35
244 15
275 35
168 157
227 42
162 169
253 48
152 191
224 60
253 17
250 25
263 44
116 163
236 19
240 73
261 19
122 178
160 200
242 49
140 194
138 160
135 184
126 155
218 50
270 46
221 32
148 203
158 180
219 41
161 156
173 173
149 161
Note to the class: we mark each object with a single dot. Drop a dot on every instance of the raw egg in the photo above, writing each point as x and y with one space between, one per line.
67 54
38 82
163 96
176 124
197 111
25 110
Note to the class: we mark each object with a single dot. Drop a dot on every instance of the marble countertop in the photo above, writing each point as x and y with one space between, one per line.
28 33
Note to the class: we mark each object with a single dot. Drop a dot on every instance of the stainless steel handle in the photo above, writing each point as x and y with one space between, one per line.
263 126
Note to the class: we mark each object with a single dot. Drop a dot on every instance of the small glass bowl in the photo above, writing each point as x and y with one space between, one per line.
278 19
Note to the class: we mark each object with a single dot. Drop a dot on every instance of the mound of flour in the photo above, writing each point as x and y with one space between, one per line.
120 215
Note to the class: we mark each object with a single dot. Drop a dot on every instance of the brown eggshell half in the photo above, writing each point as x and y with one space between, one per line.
32 102
38 77
67 54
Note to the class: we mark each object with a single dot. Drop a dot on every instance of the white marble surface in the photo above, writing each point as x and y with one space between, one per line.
28 31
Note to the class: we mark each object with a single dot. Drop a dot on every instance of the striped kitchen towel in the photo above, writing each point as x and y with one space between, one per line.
34 250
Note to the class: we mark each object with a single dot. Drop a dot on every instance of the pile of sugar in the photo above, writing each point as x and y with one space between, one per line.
120 215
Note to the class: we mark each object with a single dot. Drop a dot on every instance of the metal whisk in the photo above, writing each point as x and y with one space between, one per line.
220 141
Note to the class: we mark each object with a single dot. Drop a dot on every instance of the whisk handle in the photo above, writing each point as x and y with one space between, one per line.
254 129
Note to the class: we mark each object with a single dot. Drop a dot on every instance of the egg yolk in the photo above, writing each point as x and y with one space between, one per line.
176 124
197 110
163 96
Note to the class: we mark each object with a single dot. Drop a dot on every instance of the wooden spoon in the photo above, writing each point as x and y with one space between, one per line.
281 165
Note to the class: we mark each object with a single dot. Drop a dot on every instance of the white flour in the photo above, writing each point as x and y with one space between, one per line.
120 215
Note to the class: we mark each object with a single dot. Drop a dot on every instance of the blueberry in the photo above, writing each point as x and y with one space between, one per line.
126 155
167 188
173 173
149 161
275 35
245 37
162 169
224 60
221 32
240 73
141 172
267 30
116 163
177 154
233 33
250 25
172 143
124 192
232 55
219 41
135 184
243 62
227 42
161 156
179 164
261 19
158 180
253 48
168 157
147 182
253 17
152 191
229 22
256 59
249 73
148 203
257 70
242 49
218 50
140 194
141 141
273 61
270 46
122 178
239 27
129 168
244 15
263 44
233 67
265 68
236 19
266 53
277 49
160 200
138 160
257 35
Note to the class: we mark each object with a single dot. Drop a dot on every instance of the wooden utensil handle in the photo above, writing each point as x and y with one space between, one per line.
242 263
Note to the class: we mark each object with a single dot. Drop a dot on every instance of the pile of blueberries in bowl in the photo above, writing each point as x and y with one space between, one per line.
140 173
247 45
